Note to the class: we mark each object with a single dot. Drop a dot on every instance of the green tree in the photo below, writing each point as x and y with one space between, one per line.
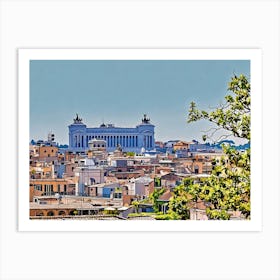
179 204
136 204
233 116
154 196
228 186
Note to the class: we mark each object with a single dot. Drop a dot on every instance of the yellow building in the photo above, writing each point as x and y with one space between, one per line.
48 187
182 145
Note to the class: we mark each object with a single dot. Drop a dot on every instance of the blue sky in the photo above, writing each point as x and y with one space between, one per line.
120 92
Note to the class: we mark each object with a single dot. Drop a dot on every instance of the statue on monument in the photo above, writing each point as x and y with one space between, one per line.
77 119
145 119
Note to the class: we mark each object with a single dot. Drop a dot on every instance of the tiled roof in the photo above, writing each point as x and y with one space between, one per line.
165 197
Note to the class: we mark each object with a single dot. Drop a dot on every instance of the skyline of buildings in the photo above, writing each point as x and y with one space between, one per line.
95 183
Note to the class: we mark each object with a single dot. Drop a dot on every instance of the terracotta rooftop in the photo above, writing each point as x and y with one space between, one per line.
166 196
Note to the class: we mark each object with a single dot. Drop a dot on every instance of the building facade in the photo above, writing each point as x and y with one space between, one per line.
136 139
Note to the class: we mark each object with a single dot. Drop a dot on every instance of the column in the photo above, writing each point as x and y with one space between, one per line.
70 143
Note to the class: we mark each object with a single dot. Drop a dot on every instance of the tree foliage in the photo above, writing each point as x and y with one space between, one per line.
136 204
130 154
228 186
179 204
154 196
234 115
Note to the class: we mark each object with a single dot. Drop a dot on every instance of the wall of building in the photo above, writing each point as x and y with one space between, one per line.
48 153
50 187
51 212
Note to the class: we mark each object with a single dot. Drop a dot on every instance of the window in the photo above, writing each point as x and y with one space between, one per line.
38 187
50 213
117 195
48 189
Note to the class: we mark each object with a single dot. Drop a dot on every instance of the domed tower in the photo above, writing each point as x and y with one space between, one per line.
77 135
146 134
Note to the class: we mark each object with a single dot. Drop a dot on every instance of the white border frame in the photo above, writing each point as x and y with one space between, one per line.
24 57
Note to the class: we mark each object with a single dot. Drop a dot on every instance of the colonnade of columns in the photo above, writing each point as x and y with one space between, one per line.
113 140
148 141
126 141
